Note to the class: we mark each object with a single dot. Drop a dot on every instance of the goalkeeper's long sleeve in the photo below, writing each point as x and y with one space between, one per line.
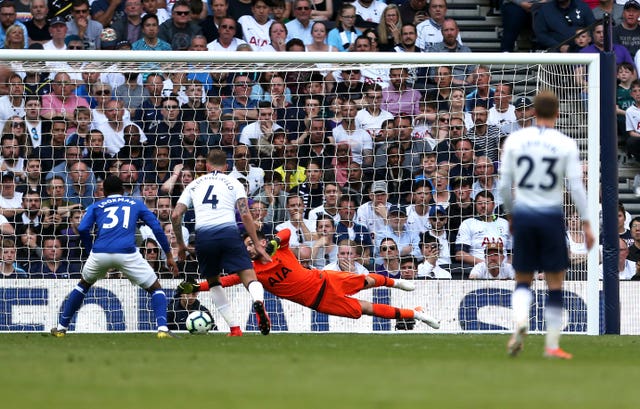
230 280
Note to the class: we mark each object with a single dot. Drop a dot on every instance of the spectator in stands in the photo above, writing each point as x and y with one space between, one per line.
10 158
129 175
168 128
56 205
11 201
372 116
597 46
277 38
634 248
483 94
611 7
399 98
181 305
502 112
242 167
89 30
293 174
628 32
57 33
151 7
390 30
149 40
255 27
441 93
632 115
453 128
344 34
348 259
461 206
38 25
368 13
51 151
324 249
429 30
131 93
53 264
61 101
408 36
485 178
227 38
14 39
259 135
96 157
397 176
485 137
301 229
72 155
464 156
33 177
428 167
430 250
211 23
524 116
113 129
128 25
450 44
457 107
577 248
301 26
189 264
274 194
625 76
150 250
516 17
149 115
179 29
418 210
475 233
346 228
557 21
79 131
81 189
240 106
33 122
627 269
495 265
182 175
188 145
100 94
360 141
330 206
350 86
414 11
8 17
388 262
9 268
397 228
374 213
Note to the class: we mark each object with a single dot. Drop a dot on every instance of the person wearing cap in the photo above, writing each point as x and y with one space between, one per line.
475 233
430 266
525 116
557 21
407 241
494 266
81 24
374 213
628 32
503 111
58 32
74 42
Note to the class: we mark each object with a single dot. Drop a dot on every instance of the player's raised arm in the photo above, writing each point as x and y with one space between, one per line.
250 227
176 221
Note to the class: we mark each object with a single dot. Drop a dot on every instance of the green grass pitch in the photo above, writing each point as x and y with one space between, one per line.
324 371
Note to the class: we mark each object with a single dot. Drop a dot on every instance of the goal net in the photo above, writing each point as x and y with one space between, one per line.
402 145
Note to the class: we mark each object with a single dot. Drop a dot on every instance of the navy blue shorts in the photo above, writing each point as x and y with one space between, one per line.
539 242
221 249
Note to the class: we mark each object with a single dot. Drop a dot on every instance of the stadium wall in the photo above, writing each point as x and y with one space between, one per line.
473 306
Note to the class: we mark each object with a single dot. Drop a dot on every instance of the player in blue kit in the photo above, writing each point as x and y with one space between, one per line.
219 246
115 218
535 163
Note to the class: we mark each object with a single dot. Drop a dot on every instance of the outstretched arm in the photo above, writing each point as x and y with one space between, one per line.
250 227
176 221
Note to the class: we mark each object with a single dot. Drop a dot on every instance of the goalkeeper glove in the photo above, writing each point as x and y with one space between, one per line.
188 287
272 247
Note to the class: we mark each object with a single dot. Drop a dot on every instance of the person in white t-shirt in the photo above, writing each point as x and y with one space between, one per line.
494 266
502 112
255 28
349 257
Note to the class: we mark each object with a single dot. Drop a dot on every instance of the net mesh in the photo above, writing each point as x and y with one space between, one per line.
289 129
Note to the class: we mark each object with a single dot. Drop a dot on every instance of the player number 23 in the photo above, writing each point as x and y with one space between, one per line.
530 164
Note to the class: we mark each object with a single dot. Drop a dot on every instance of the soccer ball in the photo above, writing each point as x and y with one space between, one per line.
199 322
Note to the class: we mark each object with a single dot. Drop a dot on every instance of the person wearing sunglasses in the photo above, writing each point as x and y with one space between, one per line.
300 26
180 27
150 250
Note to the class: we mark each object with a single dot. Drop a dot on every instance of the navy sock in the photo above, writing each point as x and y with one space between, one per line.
159 305
72 305
554 298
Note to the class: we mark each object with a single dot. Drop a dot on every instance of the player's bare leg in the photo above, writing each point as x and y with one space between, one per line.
520 303
389 312
256 291
376 280
553 316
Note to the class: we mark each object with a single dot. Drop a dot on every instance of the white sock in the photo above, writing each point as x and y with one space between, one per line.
256 290
163 328
553 321
223 305
60 328
521 303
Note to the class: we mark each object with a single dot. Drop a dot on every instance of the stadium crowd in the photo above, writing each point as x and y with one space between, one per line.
385 170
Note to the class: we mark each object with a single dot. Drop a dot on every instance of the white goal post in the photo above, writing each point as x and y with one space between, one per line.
525 72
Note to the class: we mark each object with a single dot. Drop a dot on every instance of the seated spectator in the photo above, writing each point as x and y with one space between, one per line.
464 158
556 21
360 141
301 229
429 29
407 241
388 263
524 116
38 26
399 98
240 106
275 196
430 268
494 266
255 27
61 101
344 35
129 24
502 112
82 185
485 178
324 249
88 29
179 308
293 174
439 221
179 29
54 264
56 208
150 250
577 247
418 210
228 36
475 233
374 213
398 177
597 46
346 228
450 43
628 31
632 115
9 268
180 178
483 94
348 258
70 237
517 16
11 201
390 28
628 270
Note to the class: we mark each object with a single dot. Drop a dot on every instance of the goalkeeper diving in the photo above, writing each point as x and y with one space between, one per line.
325 291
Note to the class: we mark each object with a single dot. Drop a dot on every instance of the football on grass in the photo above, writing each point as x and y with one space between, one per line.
199 322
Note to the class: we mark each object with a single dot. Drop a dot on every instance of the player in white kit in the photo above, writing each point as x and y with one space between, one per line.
219 246
535 162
